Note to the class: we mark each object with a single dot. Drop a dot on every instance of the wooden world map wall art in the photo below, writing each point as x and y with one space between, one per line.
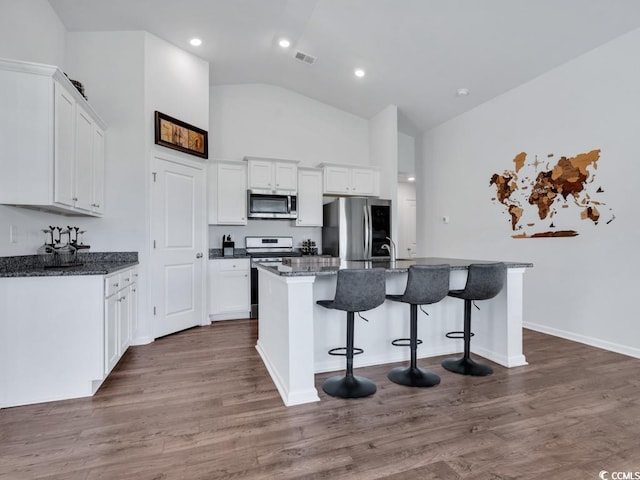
540 197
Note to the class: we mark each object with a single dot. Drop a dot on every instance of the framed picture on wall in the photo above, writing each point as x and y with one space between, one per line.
178 135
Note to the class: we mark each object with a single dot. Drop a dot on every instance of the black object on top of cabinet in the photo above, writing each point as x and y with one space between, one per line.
227 246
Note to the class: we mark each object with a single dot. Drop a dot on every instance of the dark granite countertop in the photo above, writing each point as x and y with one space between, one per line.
398 266
94 263
216 253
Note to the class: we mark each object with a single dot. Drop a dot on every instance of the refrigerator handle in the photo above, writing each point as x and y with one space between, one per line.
367 232
365 227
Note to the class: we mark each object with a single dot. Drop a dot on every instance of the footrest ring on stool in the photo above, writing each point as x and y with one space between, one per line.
342 351
407 342
457 335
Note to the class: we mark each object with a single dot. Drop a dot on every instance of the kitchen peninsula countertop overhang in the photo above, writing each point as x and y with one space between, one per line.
399 266
294 334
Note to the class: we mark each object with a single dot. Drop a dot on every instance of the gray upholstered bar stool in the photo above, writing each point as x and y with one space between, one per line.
356 291
426 284
484 281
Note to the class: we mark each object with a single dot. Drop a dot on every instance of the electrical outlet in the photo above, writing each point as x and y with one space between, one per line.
445 219
13 234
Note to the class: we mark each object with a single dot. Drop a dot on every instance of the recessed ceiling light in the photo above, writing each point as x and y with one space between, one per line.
411 179
462 92
284 43
196 42
359 73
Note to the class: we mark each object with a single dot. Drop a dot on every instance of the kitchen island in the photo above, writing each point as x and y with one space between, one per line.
294 333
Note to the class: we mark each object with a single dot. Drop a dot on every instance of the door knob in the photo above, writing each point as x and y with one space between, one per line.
198 255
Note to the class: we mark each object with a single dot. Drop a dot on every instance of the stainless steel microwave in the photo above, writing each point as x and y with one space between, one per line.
272 206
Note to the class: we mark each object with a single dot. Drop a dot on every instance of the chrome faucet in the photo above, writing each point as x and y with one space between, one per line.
391 248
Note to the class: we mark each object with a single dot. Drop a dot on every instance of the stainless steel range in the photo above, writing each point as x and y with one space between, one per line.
266 250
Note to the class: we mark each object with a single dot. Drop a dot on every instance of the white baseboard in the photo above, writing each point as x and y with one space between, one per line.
229 316
576 337
289 398
509 362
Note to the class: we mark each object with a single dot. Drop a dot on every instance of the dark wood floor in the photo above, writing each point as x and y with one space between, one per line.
200 405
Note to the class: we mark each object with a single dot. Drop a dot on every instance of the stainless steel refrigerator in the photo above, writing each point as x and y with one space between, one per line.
356 228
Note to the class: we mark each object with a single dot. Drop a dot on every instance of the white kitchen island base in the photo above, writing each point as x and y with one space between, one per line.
294 334
285 335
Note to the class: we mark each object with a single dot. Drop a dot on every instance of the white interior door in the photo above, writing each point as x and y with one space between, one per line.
407 228
178 235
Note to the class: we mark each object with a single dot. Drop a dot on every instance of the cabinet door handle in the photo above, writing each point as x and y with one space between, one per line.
75 199
198 255
116 285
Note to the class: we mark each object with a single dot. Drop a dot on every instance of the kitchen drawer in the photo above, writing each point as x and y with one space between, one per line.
235 264
112 284
126 278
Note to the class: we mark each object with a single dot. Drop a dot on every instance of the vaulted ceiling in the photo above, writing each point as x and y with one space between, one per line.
416 53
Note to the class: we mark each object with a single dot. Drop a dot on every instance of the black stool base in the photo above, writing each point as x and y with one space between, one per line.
466 366
413 377
349 386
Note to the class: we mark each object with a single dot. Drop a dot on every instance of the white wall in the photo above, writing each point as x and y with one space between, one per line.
176 83
383 149
406 154
269 121
264 228
31 31
581 287
406 239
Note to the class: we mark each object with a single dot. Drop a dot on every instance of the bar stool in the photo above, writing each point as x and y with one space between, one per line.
357 290
484 281
426 284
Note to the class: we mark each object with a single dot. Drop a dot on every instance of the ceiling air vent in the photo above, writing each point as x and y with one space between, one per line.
303 57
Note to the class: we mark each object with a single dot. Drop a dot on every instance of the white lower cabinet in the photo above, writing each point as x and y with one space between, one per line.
133 305
229 288
110 333
60 336
119 315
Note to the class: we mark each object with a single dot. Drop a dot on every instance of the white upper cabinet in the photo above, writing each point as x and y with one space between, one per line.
272 175
64 146
309 197
227 193
51 142
84 159
350 180
97 205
